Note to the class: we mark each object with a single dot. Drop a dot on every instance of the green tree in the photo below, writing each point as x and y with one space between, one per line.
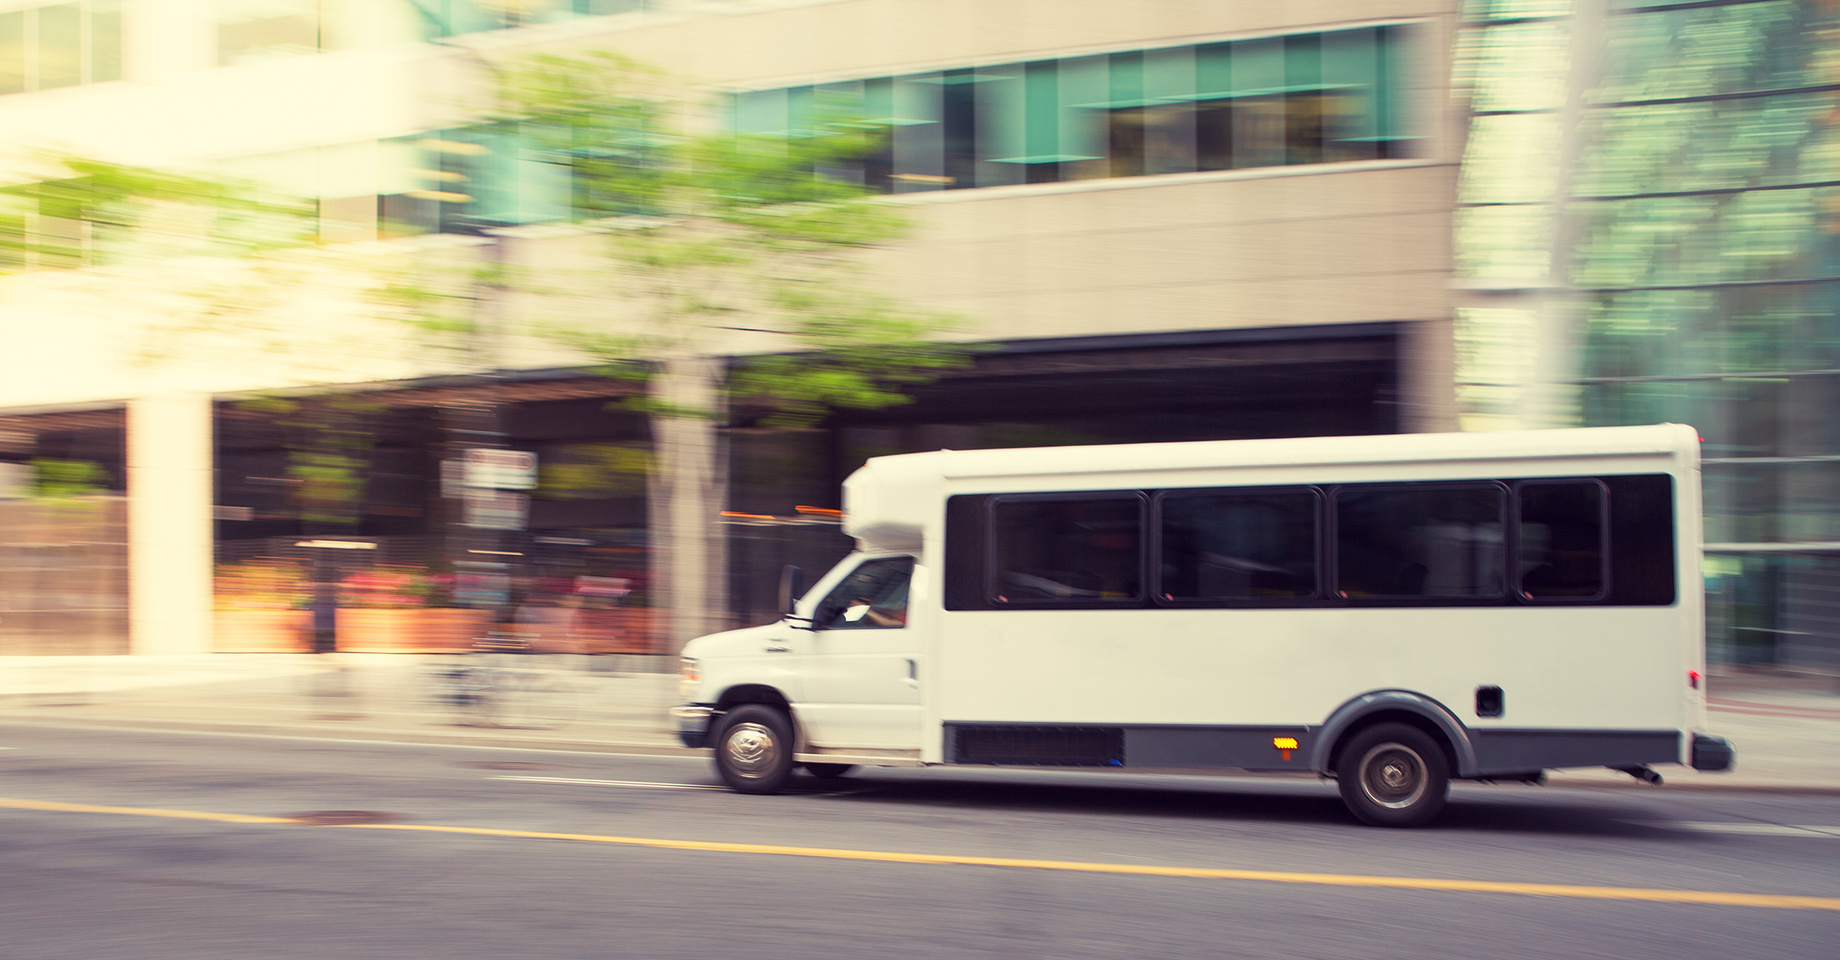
711 234
88 213
714 245
77 211
328 438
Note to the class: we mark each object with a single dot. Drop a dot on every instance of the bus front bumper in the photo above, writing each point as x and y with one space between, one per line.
693 724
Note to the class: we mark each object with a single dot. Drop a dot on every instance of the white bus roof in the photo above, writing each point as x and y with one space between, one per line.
889 501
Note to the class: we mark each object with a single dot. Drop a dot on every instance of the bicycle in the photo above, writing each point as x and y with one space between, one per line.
501 683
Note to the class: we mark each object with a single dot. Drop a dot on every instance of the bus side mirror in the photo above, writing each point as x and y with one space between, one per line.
791 588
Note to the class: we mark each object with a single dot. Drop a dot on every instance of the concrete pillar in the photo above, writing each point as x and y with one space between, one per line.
169 524
689 491
1428 376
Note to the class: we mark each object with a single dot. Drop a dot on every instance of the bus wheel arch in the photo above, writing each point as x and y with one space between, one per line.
1394 706
753 693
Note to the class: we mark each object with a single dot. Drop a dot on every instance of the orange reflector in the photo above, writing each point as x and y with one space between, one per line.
1284 743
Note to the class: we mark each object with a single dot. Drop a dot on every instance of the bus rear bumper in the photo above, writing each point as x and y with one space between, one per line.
1712 753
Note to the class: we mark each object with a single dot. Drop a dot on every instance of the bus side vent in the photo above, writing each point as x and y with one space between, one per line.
1039 746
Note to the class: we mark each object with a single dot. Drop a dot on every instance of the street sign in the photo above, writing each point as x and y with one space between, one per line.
501 469
491 510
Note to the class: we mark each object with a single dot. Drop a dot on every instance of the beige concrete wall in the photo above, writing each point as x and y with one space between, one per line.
766 44
1294 246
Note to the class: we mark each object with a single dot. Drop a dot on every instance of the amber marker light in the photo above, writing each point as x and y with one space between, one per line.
1285 745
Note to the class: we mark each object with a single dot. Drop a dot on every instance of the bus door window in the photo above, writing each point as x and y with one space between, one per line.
873 596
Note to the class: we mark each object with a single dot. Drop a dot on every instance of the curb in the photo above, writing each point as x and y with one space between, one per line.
276 731
1766 786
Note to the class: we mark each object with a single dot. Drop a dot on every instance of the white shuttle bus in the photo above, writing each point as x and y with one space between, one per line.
1391 611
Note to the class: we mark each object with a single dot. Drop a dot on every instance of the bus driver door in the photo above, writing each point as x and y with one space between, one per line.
860 664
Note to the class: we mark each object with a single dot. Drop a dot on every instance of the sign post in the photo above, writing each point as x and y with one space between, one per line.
486 476
500 469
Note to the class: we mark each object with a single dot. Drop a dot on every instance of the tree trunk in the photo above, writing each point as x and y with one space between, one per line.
689 491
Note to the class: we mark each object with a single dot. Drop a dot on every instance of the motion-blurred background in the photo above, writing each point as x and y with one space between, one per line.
575 313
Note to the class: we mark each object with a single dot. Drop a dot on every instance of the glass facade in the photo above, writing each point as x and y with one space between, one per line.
60 45
446 18
1273 101
1315 98
1650 230
470 179
254 30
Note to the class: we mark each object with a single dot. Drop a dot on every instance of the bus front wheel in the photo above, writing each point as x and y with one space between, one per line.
1393 775
754 749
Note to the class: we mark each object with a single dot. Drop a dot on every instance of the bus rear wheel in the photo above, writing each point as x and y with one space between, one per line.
1393 775
754 749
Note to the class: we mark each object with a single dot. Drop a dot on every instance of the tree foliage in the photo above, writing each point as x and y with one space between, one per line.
715 235
328 438
81 211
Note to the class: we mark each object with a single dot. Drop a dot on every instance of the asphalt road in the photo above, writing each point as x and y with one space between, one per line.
166 845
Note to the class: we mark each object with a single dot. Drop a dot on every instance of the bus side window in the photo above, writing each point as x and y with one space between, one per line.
1436 541
1643 561
1062 549
1563 535
1238 544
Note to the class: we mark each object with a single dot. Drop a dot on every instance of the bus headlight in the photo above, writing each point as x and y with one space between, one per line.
688 679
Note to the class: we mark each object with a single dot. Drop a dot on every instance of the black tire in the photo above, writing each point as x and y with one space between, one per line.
829 771
1393 775
754 749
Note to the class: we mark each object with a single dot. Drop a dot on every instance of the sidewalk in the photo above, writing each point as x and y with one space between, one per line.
1786 729
597 703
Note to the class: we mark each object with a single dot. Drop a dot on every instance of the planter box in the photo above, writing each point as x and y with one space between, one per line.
623 630
411 630
262 631
426 630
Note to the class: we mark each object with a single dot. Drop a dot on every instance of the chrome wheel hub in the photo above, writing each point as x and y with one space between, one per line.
750 749
1393 775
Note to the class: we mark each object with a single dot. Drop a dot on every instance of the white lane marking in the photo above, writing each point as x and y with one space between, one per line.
614 783
1759 829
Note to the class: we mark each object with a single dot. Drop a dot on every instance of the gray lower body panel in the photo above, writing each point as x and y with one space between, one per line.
1065 745
1244 748
1498 752
1526 751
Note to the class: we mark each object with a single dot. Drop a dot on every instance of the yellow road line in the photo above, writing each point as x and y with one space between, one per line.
138 811
1572 891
